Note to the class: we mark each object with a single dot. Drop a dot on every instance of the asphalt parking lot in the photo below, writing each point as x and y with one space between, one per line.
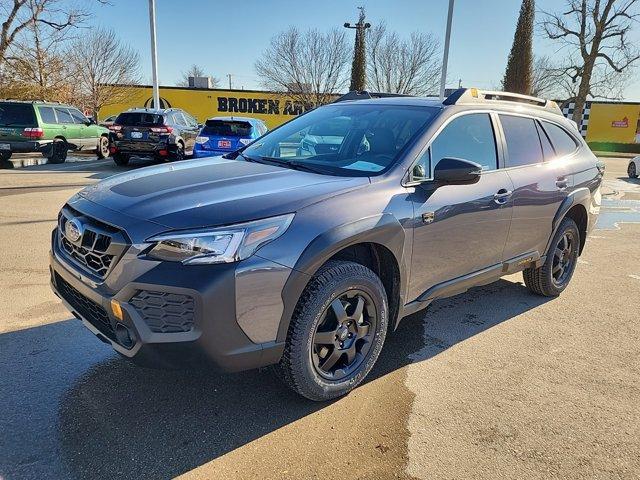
494 383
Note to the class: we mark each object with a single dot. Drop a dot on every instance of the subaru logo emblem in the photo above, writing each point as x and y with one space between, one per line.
73 230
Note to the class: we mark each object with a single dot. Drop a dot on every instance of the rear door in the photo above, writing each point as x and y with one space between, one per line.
69 129
14 118
537 180
192 130
141 131
49 122
86 132
226 135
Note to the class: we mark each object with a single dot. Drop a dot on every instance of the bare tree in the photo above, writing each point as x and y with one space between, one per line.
196 71
100 64
310 66
58 15
595 34
410 66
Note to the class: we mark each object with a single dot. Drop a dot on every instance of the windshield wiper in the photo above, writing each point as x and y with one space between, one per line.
294 165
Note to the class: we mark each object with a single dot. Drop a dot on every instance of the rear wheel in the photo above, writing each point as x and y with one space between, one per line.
555 274
103 147
632 170
121 159
336 332
4 160
178 153
58 153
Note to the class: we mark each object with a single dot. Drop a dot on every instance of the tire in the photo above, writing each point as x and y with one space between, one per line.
178 154
632 170
554 275
5 156
102 149
317 337
121 159
59 150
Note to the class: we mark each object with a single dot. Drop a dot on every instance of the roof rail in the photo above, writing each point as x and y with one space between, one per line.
364 95
464 96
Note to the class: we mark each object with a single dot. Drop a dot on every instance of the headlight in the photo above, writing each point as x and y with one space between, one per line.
218 245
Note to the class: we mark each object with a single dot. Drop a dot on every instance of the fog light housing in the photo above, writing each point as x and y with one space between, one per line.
116 309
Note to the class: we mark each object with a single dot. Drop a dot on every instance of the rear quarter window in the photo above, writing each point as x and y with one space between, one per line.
523 142
47 115
563 143
21 114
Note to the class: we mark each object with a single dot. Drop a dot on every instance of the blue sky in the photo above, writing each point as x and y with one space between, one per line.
227 36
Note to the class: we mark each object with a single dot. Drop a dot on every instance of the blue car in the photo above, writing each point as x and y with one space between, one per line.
222 135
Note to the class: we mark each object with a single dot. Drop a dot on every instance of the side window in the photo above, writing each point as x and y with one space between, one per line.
469 137
63 115
523 142
547 148
78 117
47 115
563 142
178 119
189 119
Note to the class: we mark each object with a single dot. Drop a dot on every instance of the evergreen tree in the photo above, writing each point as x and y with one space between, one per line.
358 67
519 74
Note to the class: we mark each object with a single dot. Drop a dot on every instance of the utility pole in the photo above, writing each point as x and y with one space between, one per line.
445 59
358 67
154 54
229 77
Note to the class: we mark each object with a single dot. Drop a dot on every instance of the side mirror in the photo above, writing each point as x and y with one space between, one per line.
89 122
456 171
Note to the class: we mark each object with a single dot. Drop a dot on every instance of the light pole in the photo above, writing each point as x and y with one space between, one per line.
154 54
445 59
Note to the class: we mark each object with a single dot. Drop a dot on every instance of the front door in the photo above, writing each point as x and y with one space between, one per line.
460 229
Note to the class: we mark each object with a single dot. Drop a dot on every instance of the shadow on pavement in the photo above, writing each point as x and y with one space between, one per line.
71 408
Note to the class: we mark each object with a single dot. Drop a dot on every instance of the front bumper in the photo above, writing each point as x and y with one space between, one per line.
201 153
231 305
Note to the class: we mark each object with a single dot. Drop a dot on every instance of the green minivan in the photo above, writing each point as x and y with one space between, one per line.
49 128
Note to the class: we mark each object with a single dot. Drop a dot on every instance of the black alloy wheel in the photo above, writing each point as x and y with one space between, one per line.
564 258
345 335
631 170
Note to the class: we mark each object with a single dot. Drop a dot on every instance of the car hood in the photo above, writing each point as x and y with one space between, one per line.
214 191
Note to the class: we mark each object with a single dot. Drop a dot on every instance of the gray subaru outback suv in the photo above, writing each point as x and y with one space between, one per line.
306 259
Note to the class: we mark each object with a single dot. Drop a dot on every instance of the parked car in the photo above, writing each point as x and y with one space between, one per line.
307 262
164 134
48 128
633 169
107 122
221 135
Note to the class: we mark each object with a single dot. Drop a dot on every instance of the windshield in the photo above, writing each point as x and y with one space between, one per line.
344 139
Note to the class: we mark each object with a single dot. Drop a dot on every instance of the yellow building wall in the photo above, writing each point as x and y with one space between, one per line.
273 108
614 123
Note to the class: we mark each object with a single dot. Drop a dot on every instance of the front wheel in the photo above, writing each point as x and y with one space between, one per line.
554 275
103 147
336 332
632 171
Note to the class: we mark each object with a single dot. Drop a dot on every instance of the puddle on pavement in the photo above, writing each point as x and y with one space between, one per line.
613 212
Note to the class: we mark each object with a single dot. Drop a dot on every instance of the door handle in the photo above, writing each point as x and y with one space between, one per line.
562 183
501 196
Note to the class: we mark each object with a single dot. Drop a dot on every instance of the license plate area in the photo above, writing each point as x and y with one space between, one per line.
137 135
224 144
5 146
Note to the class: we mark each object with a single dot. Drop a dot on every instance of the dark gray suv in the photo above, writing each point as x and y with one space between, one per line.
302 259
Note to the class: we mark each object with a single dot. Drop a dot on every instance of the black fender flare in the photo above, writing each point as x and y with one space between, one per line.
383 229
580 196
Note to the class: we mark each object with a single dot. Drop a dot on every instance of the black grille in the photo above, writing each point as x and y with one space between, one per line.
99 247
86 308
165 312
